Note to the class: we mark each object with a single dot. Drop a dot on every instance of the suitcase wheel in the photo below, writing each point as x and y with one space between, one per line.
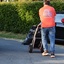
30 48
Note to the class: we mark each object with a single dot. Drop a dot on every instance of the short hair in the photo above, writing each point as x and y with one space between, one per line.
47 2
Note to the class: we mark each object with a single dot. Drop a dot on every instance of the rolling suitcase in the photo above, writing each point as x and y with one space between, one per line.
36 42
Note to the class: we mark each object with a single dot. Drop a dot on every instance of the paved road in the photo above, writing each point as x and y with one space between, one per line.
12 52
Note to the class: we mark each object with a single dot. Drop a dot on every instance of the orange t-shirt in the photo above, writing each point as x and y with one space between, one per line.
47 16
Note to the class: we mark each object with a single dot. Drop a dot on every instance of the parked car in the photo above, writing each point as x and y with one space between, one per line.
59 31
59 27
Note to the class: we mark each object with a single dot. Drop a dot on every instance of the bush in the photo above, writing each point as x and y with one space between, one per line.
9 17
19 17
58 6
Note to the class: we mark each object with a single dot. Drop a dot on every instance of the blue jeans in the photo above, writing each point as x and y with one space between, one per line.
48 33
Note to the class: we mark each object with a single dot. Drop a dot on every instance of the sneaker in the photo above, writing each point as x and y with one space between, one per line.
52 55
45 53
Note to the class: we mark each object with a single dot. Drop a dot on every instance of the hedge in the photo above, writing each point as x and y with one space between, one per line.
19 17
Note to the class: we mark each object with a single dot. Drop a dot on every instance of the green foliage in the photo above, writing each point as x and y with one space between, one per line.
9 17
29 15
58 6
19 17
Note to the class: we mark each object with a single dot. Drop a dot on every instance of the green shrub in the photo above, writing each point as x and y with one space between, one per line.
9 17
19 17
29 15
58 6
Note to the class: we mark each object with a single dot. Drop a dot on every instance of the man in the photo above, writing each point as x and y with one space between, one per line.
47 16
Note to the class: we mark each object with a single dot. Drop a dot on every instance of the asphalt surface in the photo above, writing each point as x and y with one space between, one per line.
13 52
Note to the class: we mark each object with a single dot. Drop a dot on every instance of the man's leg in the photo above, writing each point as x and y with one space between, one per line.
52 40
44 41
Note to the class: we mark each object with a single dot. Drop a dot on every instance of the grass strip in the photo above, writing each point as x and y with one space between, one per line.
4 34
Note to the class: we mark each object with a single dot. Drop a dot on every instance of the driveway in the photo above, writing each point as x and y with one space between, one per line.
13 52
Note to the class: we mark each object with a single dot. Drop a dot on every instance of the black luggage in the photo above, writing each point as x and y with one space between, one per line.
30 35
33 39
36 41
